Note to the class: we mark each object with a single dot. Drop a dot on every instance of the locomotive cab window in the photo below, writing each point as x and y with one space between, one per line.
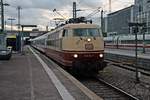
80 32
94 32
86 32
65 33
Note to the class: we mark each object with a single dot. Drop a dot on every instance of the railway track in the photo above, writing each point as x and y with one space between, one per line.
106 90
130 67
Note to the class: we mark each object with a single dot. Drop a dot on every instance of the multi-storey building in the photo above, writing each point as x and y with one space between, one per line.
142 5
142 10
117 22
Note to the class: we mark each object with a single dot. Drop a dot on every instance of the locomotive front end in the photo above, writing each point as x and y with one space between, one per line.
84 48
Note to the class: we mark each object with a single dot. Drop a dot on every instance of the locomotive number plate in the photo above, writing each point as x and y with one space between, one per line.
89 46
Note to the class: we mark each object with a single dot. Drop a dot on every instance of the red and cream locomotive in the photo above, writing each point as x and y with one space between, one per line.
77 46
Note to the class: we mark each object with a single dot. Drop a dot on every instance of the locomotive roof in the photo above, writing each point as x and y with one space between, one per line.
68 26
80 25
74 26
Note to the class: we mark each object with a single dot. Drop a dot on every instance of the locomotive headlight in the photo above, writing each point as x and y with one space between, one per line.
101 55
75 55
88 39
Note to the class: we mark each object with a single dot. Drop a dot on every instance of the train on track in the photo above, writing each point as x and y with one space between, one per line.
127 42
78 46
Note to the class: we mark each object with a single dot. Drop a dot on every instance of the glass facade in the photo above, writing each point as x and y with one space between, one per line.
117 22
143 13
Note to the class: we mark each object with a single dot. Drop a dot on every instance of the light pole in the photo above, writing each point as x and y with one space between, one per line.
136 54
136 27
135 31
102 20
145 29
75 10
5 25
11 19
110 6
19 26
2 14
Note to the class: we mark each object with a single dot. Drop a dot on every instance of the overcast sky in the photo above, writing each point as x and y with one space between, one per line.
40 12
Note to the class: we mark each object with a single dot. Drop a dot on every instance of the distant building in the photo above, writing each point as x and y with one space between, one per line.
143 5
143 13
117 22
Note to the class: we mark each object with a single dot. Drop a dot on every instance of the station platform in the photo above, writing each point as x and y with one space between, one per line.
130 53
128 57
32 76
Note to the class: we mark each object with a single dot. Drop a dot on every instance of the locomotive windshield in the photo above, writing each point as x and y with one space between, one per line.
86 32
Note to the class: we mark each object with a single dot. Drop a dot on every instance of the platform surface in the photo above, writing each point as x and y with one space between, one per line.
34 77
128 53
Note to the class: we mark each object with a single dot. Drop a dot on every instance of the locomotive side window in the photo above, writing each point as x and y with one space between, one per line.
65 33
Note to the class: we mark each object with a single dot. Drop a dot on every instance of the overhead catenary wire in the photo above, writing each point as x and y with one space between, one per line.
54 10
93 13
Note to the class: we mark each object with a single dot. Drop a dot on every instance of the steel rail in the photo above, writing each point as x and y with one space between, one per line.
118 89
